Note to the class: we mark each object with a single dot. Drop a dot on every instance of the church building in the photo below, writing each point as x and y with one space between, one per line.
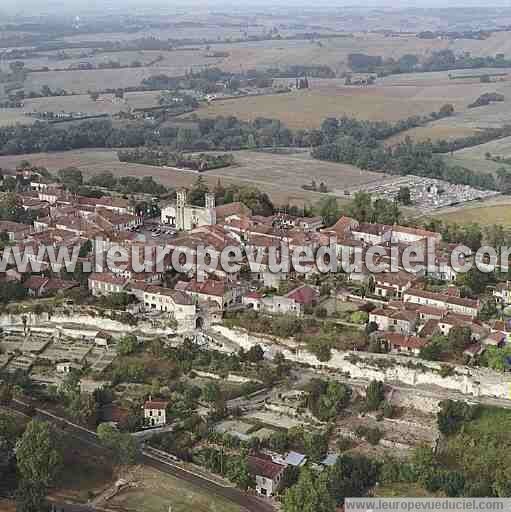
184 216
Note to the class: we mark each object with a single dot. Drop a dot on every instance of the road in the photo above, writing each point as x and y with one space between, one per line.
248 502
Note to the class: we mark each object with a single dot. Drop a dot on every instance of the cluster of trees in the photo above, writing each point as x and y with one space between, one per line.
326 399
73 180
486 99
259 202
404 158
351 475
37 461
441 60
123 446
453 415
222 133
364 209
315 71
201 162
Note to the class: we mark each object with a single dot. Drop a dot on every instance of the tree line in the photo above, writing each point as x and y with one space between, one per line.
163 157
345 140
441 60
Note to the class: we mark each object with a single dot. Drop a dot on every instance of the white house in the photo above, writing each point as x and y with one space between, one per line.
268 475
155 412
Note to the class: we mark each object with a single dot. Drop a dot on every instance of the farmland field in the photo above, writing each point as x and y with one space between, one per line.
281 176
391 99
485 213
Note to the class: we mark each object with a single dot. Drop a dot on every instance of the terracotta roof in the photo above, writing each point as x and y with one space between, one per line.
177 296
236 208
254 295
304 295
208 287
417 231
429 328
13 227
60 284
259 466
372 229
155 404
35 282
405 341
443 297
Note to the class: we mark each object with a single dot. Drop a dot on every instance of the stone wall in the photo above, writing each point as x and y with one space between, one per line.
387 368
78 325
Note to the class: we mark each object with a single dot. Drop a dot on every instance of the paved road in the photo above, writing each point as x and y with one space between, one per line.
250 503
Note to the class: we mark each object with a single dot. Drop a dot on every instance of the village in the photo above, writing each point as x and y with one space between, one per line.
291 368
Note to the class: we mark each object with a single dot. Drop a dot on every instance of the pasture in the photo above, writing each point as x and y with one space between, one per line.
390 99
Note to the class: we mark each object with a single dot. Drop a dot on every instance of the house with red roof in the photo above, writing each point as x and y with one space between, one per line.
400 343
304 295
38 286
267 474
401 321
105 283
155 412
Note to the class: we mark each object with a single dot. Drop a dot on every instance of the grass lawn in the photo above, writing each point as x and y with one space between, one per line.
157 491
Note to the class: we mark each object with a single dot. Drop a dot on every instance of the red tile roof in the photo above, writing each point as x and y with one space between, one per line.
155 404
304 295
405 341
259 466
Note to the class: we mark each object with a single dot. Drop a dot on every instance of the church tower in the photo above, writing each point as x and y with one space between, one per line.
180 208
210 207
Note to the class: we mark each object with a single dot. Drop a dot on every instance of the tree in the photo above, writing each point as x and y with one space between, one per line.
127 345
255 354
124 446
459 338
447 110
375 395
211 392
71 178
403 196
329 210
475 280
39 461
351 475
433 350
453 415
238 472
315 445
5 393
361 208
31 497
310 494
